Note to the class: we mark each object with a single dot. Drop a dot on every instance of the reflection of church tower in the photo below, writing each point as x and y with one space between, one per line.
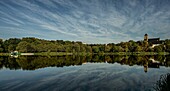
146 37
145 66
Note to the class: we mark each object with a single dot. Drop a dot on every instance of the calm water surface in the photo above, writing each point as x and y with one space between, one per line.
82 73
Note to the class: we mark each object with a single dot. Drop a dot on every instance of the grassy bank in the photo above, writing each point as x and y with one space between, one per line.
84 53
52 53
113 53
134 53
137 53
4 54
60 53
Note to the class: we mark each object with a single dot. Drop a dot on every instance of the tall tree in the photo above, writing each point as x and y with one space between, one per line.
24 47
1 45
11 44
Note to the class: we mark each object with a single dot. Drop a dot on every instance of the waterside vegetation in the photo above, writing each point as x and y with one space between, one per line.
60 47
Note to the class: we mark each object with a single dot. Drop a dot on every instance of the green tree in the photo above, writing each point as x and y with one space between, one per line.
158 49
76 47
117 49
24 47
61 48
167 45
88 49
12 42
1 45
95 49
11 48
68 48
132 45
82 48
138 49
108 48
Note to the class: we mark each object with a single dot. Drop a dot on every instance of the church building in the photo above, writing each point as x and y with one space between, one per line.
153 41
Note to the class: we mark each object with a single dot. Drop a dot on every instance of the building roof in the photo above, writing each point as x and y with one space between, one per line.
154 40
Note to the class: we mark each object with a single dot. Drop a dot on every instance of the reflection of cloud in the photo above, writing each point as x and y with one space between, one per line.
92 76
111 21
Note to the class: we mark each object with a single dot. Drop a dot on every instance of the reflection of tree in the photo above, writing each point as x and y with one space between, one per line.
32 63
36 62
95 58
163 84
1 62
10 63
167 61
107 59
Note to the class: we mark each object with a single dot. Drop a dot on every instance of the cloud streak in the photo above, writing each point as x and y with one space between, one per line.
90 21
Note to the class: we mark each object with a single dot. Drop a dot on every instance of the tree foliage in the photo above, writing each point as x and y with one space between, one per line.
1 45
31 44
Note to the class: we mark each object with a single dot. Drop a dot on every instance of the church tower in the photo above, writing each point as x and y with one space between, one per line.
146 37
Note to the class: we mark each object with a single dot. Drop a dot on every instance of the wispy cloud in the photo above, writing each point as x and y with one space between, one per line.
84 20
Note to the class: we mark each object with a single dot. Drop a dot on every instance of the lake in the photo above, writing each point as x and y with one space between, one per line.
82 73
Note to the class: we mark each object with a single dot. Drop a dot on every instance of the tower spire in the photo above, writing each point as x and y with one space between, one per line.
146 37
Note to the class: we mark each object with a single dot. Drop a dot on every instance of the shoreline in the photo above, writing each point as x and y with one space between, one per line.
83 53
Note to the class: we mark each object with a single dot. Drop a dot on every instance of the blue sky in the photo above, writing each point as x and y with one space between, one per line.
89 21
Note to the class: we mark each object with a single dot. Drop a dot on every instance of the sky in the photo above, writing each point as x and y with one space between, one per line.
89 21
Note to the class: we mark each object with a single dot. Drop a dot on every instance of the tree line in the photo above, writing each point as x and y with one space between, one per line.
35 45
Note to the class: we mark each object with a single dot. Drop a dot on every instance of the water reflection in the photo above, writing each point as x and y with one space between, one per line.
96 73
36 62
